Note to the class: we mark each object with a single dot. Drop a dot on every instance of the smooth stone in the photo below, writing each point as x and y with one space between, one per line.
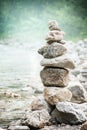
18 128
54 95
52 51
62 62
79 94
37 119
54 36
69 113
84 126
54 77
53 25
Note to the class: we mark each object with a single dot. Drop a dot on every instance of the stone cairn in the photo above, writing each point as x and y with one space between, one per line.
55 77
56 64
57 107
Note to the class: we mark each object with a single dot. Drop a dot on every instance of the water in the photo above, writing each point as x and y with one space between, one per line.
18 64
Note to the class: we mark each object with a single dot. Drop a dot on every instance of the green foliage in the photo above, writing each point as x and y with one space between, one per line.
29 18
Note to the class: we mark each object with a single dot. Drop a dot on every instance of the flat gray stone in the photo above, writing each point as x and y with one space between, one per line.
62 62
52 51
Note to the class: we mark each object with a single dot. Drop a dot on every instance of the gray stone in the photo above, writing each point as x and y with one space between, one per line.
18 128
79 94
62 62
70 113
54 77
54 36
38 118
53 50
54 95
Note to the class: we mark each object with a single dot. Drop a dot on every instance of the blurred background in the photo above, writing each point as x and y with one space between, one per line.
23 27
28 19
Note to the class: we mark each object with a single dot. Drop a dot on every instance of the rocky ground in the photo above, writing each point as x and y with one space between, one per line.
20 83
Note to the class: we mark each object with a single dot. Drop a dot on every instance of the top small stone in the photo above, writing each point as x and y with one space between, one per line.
53 26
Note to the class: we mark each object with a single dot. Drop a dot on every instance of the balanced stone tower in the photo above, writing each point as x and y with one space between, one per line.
56 63
55 77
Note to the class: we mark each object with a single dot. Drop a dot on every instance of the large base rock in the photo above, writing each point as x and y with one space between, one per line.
54 77
70 113
54 95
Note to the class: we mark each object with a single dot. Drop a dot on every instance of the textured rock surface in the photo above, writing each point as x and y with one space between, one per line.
79 94
54 95
70 113
62 61
84 126
53 50
38 118
54 77
54 36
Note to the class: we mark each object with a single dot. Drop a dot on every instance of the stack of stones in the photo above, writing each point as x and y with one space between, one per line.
55 74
